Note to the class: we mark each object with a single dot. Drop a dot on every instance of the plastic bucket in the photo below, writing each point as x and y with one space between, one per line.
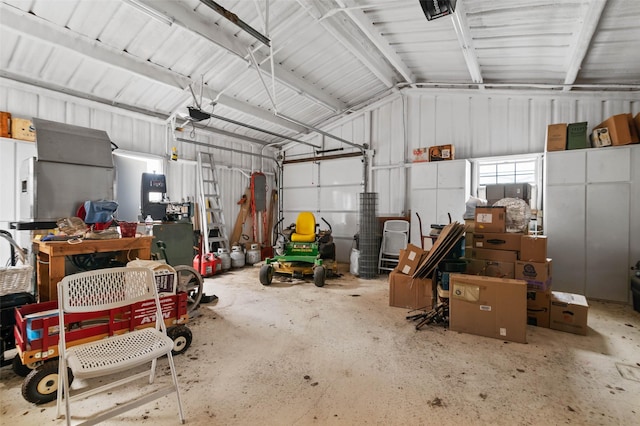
128 229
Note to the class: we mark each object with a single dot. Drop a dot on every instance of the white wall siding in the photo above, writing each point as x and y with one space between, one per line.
495 124
479 124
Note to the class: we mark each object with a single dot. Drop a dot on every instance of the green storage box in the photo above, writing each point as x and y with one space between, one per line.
577 136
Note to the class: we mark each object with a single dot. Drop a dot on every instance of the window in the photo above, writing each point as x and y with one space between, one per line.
129 168
514 171
509 170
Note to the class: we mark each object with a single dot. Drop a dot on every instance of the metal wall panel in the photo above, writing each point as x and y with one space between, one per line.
497 124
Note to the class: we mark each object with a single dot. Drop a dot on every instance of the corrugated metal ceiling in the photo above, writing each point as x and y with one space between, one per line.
331 57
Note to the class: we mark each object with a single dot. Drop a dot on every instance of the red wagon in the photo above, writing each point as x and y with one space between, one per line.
36 336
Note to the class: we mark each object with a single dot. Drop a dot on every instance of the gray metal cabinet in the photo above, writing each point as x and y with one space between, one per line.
591 218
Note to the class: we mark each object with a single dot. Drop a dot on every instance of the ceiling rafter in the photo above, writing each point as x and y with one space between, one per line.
197 24
366 26
460 24
31 26
583 40
350 36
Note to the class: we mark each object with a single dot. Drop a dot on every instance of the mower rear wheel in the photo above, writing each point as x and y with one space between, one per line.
319 275
266 274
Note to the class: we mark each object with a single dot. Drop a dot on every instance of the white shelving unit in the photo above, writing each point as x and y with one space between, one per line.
437 190
592 219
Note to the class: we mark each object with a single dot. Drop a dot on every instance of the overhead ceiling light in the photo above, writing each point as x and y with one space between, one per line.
434 9
152 13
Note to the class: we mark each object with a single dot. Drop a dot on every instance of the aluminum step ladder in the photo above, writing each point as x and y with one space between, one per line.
211 214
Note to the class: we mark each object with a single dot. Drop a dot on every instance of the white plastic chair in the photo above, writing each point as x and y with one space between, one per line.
107 289
395 236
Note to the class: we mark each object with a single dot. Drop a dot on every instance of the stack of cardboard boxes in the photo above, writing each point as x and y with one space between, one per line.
493 251
404 290
16 128
506 286
535 268
515 287
619 129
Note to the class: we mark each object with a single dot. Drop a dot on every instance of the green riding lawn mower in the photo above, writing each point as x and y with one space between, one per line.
304 251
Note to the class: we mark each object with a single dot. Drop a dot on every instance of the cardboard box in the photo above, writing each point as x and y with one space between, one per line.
568 312
538 318
536 274
636 121
441 152
22 129
490 268
533 248
497 240
577 136
420 155
409 293
491 307
410 259
635 134
490 219
620 129
490 254
5 124
557 137
538 300
600 138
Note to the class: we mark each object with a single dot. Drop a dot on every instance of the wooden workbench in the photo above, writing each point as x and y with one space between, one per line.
50 255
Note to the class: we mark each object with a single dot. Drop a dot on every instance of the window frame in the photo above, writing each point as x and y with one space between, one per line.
477 190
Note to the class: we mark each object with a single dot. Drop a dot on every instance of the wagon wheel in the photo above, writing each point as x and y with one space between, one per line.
191 282
41 385
181 336
21 369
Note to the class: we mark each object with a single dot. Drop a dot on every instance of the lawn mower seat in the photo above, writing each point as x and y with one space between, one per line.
305 228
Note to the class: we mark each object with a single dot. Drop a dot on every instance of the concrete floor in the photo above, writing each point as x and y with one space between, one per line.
295 354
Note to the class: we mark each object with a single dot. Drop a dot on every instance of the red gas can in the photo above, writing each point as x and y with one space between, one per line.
210 264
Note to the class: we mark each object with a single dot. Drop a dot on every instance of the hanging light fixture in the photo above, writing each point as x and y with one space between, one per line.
434 9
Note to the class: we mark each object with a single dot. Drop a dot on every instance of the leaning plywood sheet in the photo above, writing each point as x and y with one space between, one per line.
446 241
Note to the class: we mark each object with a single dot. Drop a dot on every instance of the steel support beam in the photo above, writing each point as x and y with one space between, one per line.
197 24
583 40
461 26
29 25
348 34
367 27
